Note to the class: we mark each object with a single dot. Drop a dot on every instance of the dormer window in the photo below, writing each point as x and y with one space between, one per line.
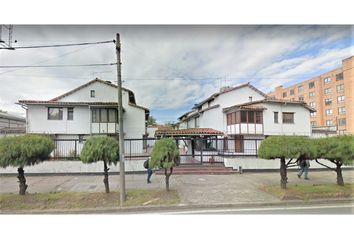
92 93
250 99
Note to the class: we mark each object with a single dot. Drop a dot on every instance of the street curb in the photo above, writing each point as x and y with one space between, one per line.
179 207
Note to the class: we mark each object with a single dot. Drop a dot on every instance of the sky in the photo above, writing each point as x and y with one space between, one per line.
170 67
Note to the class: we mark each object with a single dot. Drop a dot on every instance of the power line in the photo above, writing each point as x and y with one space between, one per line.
51 66
59 45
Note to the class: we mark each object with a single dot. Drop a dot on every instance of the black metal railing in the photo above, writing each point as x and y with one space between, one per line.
192 150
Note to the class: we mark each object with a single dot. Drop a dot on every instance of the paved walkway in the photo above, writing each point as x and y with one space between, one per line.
193 189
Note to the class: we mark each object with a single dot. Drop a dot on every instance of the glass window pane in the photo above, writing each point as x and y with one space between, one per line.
103 115
112 115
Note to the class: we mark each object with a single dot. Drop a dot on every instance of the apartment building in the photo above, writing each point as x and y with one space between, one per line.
331 94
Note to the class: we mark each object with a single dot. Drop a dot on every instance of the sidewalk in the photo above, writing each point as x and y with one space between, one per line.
201 190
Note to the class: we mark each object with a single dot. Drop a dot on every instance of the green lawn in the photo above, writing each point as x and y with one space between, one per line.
315 191
81 200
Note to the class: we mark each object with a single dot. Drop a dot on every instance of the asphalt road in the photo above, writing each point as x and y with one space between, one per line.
347 208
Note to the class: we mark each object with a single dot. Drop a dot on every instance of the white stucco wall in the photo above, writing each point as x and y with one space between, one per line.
301 125
214 118
38 121
133 117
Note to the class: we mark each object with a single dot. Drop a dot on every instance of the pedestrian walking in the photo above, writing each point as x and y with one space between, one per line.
304 168
149 170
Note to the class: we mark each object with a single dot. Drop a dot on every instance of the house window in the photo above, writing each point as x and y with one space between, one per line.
55 113
340 99
228 119
250 117
300 88
243 116
340 88
112 115
342 121
258 117
329 123
288 117
328 90
233 118
285 94
329 112
250 99
292 92
92 93
313 114
312 104
328 101
276 117
70 113
312 94
301 98
339 76
327 80
341 110
104 115
311 85
313 123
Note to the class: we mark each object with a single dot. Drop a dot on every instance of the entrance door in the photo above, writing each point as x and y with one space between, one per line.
239 143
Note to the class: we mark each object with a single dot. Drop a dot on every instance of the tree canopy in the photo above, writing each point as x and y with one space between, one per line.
286 147
100 148
165 154
24 150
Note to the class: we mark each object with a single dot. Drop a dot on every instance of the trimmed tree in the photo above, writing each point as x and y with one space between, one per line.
338 150
25 150
165 155
291 148
101 148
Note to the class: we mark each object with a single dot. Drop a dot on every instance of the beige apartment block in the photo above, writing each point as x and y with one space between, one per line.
331 94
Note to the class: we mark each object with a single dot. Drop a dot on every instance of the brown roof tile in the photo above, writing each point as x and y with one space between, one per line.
189 132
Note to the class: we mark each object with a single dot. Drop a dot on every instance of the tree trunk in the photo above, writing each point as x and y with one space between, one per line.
340 180
105 179
22 180
167 179
283 173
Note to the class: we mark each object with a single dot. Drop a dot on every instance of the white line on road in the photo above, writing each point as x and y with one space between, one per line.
255 209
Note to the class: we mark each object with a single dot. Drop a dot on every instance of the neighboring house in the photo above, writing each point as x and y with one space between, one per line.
244 112
11 124
90 109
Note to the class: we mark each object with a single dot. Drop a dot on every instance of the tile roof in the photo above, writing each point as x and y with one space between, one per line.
188 132
35 102
258 103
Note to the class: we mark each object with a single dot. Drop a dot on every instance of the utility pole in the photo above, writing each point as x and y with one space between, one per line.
120 123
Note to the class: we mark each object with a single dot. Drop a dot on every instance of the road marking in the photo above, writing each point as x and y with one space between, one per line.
255 209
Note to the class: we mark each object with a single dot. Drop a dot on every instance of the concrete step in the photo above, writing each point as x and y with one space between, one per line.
200 169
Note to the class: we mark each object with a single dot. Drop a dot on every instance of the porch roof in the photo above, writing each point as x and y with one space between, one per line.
189 132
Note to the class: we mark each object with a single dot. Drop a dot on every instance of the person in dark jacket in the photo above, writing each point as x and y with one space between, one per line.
149 170
304 168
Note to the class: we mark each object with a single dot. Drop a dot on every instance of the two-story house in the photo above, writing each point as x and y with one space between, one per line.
246 116
89 109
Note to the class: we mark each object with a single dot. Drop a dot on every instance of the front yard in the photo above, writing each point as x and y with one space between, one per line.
82 200
312 191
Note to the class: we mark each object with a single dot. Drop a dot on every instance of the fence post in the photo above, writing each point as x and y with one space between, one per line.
256 148
201 152
75 153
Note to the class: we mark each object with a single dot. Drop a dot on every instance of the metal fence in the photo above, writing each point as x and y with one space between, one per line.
192 150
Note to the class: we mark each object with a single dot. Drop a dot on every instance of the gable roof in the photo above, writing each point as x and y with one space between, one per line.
243 105
215 95
85 85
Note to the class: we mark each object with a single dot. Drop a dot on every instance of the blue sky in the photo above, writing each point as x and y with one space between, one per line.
170 68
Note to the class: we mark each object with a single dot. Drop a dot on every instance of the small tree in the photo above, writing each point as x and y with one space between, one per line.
25 150
151 120
165 155
293 148
338 150
101 148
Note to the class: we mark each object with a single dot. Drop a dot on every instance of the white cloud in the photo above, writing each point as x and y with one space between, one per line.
167 67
